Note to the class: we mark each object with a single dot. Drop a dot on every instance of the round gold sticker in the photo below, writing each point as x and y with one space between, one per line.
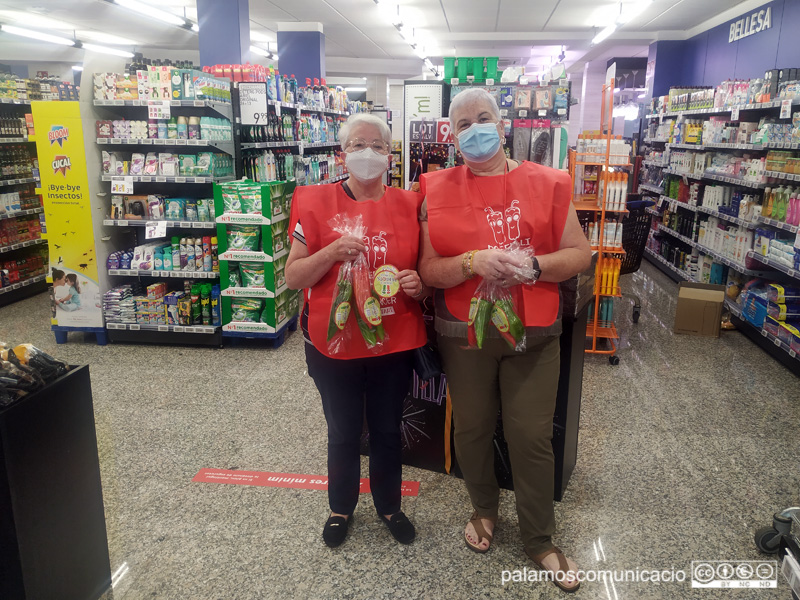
386 284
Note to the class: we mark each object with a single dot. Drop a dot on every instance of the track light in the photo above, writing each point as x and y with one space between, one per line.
77 68
604 34
107 50
259 51
151 11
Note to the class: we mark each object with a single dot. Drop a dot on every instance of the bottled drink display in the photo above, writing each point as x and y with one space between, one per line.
282 165
15 162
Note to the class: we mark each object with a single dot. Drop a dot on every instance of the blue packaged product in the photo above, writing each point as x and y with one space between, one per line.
216 315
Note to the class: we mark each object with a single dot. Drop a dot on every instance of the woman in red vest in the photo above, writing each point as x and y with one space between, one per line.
360 381
470 216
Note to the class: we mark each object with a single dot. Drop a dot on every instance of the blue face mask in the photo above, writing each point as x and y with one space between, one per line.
479 142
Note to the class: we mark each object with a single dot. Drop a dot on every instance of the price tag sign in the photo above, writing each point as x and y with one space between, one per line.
122 185
278 109
797 240
155 229
158 110
786 108
523 114
253 102
735 113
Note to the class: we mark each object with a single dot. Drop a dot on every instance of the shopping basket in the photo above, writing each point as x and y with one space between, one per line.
635 229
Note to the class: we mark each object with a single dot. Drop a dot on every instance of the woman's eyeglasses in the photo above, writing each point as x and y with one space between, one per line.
361 144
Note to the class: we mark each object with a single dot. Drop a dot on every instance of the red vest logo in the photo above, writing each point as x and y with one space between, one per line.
58 133
61 163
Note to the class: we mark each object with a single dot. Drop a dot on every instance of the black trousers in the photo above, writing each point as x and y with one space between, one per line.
375 386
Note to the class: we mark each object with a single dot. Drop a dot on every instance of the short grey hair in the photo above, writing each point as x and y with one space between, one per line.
473 95
368 119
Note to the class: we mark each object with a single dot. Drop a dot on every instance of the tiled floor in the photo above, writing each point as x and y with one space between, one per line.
686 448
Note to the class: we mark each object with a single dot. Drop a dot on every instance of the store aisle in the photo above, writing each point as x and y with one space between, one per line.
686 448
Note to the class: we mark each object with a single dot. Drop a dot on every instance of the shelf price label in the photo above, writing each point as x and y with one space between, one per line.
155 229
253 102
122 185
735 113
159 110
786 108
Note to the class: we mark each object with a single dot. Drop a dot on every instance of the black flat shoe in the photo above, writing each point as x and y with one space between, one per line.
335 531
401 528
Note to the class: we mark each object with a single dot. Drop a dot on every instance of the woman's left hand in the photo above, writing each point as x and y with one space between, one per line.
410 282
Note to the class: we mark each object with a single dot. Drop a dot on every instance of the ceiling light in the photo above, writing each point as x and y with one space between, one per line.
355 89
151 11
604 34
428 63
104 38
195 27
77 68
634 11
274 56
107 50
29 19
420 53
259 51
36 35
616 90
257 36
364 78
389 11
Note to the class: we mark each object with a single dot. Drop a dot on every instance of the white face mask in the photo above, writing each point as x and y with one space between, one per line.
366 164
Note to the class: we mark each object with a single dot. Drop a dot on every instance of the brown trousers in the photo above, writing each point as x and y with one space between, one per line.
525 386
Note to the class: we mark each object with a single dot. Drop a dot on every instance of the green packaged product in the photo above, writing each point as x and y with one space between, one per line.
187 165
234 280
204 165
243 237
246 310
252 274
205 303
251 203
231 203
197 311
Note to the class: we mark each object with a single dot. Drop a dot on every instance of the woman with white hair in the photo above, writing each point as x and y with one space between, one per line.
470 216
358 381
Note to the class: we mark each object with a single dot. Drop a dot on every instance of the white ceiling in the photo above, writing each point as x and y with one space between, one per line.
360 41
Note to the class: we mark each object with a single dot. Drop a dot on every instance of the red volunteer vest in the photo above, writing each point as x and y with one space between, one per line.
392 238
466 212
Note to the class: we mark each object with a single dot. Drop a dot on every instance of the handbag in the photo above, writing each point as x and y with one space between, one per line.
427 362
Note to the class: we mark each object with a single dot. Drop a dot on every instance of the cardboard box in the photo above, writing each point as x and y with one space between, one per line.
699 309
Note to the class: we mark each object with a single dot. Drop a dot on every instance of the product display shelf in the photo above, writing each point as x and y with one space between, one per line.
299 145
22 289
166 179
779 175
666 267
793 273
775 347
163 274
280 305
654 141
195 329
727 261
9 182
724 217
734 180
18 140
25 244
720 111
652 211
680 174
168 224
655 163
21 213
676 235
15 101
221 108
778 224
653 189
304 108
674 204
223 145
603 330
592 206
332 180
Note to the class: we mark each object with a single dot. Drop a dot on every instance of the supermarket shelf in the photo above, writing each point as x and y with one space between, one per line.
669 269
19 181
21 213
726 261
277 337
165 179
224 145
774 264
783 176
15 101
675 234
773 346
22 289
652 211
253 292
201 329
304 145
16 140
654 141
332 180
19 245
250 219
674 204
777 146
651 188
170 224
778 224
609 332
721 111
223 108
165 274
685 146
724 217
592 206
653 163
679 174
733 180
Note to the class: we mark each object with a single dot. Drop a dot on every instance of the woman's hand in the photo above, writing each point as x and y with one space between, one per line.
345 248
410 282
494 266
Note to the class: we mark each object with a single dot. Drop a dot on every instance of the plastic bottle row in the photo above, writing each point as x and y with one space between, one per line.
181 254
174 128
195 304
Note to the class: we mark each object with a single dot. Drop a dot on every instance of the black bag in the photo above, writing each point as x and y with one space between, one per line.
427 362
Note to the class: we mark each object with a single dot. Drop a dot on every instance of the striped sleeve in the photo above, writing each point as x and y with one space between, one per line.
298 234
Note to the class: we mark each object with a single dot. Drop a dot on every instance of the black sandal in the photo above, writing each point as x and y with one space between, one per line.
400 527
335 530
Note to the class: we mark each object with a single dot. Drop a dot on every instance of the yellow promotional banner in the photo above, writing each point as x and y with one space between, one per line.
75 295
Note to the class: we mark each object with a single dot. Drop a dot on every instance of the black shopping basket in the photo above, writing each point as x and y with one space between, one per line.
635 229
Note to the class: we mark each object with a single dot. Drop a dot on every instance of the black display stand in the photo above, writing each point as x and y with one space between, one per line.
52 524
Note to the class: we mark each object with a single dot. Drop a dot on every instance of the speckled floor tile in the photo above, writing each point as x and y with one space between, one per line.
686 448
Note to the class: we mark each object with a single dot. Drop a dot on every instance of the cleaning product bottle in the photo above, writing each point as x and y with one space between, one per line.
214 255
184 254
176 253
189 254
216 316
198 254
183 128
166 260
207 254
205 303
197 311
172 128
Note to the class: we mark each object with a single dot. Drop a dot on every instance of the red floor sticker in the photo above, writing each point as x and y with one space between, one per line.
285 480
